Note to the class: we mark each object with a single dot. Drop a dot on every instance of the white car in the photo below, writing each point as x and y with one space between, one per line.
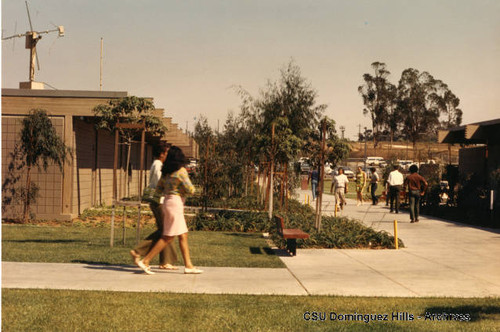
374 161
405 164
328 169
347 171
305 167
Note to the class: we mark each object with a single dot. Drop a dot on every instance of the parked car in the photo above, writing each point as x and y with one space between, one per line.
328 169
347 171
305 167
405 164
374 161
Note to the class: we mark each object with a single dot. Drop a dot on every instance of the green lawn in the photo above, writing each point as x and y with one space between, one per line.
79 244
60 310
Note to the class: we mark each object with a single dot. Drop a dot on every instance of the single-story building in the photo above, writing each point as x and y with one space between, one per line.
480 152
87 180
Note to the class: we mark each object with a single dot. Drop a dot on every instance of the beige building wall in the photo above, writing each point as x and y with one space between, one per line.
177 137
93 167
49 202
87 179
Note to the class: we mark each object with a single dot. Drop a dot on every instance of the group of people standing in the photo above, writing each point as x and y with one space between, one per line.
414 183
171 181
340 181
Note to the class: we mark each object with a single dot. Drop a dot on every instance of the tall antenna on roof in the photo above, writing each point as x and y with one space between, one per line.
32 38
100 73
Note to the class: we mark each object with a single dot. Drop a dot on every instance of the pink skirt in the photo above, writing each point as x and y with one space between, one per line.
173 216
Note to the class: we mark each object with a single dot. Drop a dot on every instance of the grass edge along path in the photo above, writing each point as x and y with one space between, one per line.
62 310
90 245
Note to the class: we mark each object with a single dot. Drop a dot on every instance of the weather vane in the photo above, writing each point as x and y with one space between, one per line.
32 38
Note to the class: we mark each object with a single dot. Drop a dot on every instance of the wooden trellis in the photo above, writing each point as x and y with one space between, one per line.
116 200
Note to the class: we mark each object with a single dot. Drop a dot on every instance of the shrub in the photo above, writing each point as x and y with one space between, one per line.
336 232
232 221
246 203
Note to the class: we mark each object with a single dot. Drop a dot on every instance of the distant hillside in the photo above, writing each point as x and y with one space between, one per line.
402 150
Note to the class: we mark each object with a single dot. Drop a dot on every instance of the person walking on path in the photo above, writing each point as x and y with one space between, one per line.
168 256
175 186
314 178
360 185
395 182
339 183
373 185
416 185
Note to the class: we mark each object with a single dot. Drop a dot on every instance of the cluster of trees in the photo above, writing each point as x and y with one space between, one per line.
417 107
273 130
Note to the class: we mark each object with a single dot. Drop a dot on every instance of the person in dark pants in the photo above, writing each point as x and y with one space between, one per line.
168 255
387 194
395 181
314 177
373 184
416 185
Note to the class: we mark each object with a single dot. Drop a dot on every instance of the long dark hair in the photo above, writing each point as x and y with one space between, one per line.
175 160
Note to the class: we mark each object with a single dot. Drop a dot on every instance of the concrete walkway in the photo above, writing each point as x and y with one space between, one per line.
440 258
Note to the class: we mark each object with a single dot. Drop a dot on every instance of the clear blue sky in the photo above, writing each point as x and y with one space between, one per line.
188 54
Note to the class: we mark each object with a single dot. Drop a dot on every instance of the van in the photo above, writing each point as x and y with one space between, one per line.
374 161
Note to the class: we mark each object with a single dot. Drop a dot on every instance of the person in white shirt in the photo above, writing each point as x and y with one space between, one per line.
395 182
168 255
340 182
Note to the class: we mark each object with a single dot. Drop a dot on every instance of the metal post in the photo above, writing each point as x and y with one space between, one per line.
112 236
138 233
396 242
124 220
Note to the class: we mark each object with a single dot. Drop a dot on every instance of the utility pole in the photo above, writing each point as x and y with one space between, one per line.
342 129
359 135
100 62
319 200
365 149
271 165
205 189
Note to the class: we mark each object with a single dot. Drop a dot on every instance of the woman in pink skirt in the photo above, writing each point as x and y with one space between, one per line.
175 186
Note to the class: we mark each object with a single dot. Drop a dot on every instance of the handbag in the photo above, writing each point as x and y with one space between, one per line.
150 195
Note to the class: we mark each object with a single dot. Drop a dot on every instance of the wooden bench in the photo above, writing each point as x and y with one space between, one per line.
290 235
